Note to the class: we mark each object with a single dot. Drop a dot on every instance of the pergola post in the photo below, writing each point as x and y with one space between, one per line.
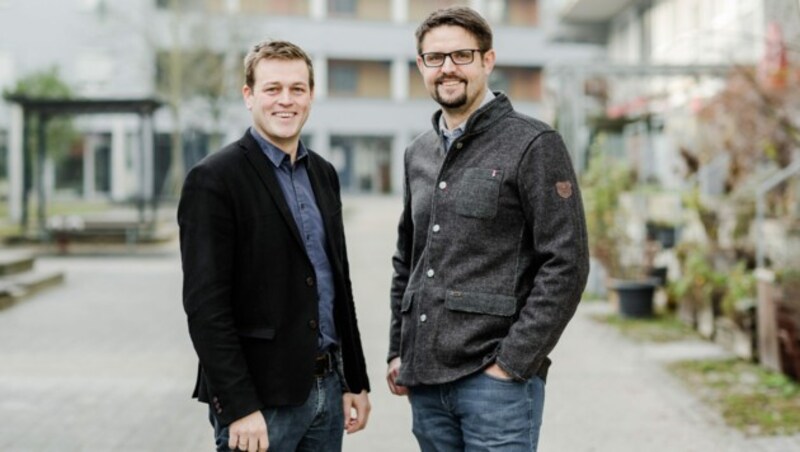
26 170
15 163
41 156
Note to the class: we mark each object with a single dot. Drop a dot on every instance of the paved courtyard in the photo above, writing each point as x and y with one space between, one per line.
104 362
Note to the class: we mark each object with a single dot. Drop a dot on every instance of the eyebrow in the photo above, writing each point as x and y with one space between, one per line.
277 83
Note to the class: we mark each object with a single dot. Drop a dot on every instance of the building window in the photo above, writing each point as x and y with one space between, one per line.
344 8
513 12
360 9
418 10
353 78
180 5
363 162
275 7
69 168
343 78
416 86
519 83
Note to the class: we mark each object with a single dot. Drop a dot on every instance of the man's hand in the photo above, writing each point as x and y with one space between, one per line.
356 411
249 433
497 372
391 376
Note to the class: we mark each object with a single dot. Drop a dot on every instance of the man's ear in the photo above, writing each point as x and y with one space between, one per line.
419 64
247 95
488 59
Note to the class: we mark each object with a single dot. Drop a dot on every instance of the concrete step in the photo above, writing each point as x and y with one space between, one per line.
18 286
12 262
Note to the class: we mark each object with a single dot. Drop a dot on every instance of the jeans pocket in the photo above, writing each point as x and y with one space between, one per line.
500 379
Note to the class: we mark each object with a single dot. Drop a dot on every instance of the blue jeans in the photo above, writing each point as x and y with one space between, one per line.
315 426
478 413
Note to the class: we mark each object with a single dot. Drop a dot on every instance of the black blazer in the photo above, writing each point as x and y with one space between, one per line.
249 289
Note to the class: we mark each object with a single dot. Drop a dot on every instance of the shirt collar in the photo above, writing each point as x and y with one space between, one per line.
460 127
273 153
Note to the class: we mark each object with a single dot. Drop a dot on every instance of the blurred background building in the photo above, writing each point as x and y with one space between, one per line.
664 60
369 98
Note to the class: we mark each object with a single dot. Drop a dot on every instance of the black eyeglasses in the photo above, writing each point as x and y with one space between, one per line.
459 57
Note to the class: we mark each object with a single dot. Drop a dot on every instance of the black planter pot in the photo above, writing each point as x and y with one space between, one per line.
666 235
635 297
659 275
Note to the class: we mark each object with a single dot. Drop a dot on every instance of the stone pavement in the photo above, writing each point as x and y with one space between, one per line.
104 363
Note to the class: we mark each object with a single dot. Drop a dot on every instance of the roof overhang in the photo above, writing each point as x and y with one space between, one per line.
62 106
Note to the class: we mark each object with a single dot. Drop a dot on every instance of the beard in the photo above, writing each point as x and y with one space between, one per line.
456 102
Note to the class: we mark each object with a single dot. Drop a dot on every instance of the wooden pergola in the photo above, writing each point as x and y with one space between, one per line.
46 109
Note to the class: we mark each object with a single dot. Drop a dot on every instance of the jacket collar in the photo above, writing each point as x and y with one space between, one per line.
483 117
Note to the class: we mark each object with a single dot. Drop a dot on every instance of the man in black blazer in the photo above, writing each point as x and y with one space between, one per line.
266 280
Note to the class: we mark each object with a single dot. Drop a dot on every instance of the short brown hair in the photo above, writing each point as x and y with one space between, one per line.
275 50
459 16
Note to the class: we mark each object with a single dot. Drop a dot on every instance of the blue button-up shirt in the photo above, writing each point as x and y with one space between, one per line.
299 195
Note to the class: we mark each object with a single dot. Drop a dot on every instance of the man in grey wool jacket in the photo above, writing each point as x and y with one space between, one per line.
491 256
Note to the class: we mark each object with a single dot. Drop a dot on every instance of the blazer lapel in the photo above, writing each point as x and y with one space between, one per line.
261 163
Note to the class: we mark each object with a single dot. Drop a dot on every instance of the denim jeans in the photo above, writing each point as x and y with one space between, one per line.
478 413
315 426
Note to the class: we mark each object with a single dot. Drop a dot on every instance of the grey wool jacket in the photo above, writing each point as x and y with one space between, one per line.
492 255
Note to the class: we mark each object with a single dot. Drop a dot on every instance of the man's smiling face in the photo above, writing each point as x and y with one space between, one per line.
279 100
455 87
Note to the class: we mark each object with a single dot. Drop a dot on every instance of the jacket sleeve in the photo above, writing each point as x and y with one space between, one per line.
401 261
553 210
207 236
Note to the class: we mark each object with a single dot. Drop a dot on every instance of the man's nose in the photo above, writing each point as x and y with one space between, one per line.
285 97
448 65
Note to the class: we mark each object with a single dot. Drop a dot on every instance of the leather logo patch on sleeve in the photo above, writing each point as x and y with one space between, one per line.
564 189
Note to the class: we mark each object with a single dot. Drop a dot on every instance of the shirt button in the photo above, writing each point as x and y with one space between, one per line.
436 228
310 281
312 324
423 318
430 273
442 185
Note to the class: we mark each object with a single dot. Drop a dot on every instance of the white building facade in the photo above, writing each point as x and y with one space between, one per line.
369 98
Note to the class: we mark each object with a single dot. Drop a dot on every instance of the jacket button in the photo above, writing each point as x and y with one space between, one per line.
430 273
442 185
436 228
459 145
310 281
312 324
423 318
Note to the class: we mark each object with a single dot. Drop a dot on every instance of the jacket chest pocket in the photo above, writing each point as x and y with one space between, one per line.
479 193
